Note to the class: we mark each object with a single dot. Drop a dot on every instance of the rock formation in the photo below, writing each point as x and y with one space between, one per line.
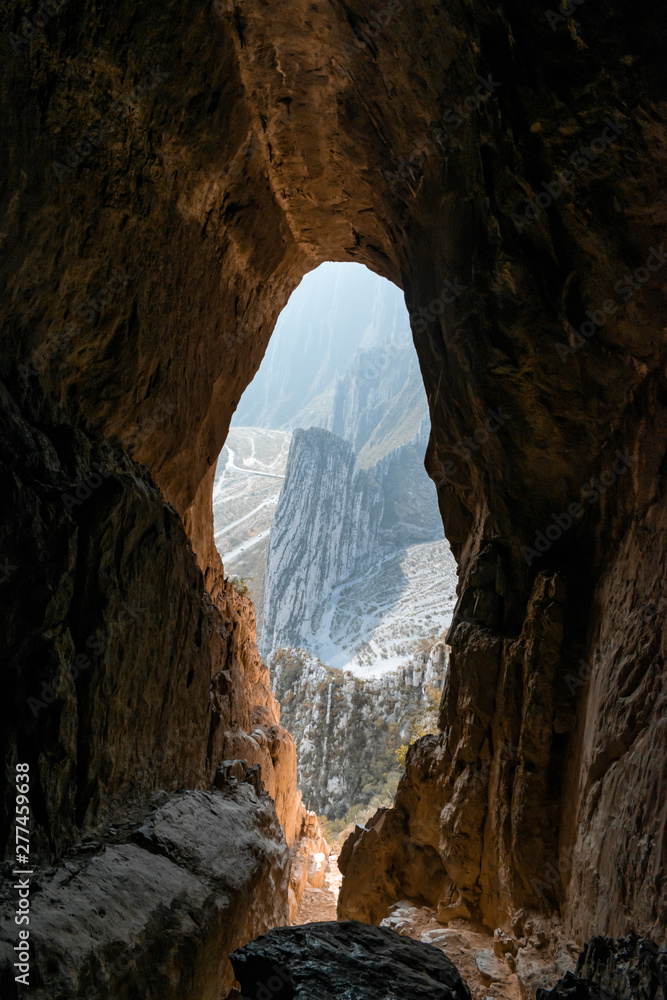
325 531
171 173
338 524
331 960
626 969
347 729
189 882
341 347
194 685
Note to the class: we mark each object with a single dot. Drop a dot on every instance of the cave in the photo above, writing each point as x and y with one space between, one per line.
171 174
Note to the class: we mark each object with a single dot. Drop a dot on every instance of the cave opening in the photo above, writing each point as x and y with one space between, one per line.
325 517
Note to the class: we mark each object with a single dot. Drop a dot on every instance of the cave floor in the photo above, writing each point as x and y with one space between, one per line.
469 947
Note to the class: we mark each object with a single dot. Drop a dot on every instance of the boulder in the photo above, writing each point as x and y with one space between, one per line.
333 960
159 903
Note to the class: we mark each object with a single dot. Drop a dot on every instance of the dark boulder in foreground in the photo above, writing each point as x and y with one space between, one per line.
344 959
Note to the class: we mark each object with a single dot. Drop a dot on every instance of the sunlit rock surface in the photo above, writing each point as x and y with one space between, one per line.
357 570
347 729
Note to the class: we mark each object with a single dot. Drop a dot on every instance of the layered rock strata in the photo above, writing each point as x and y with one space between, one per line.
324 531
338 525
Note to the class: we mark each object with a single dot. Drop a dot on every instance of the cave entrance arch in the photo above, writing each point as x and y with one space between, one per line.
325 516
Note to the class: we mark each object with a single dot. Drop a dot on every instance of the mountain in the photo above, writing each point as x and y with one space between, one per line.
358 570
247 487
346 555
337 311
325 530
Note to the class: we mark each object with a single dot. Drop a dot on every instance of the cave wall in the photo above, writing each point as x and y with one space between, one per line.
231 147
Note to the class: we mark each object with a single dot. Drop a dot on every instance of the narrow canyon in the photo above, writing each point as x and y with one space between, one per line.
172 174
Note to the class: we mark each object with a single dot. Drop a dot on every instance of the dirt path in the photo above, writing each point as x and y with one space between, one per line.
320 904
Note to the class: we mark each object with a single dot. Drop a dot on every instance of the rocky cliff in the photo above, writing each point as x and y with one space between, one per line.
377 404
171 173
347 729
324 531
337 524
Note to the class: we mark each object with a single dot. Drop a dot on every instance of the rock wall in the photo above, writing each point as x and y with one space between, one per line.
132 684
171 173
196 875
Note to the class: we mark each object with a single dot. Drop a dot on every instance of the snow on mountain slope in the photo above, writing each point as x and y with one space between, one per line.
349 560
325 529
248 481
376 622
